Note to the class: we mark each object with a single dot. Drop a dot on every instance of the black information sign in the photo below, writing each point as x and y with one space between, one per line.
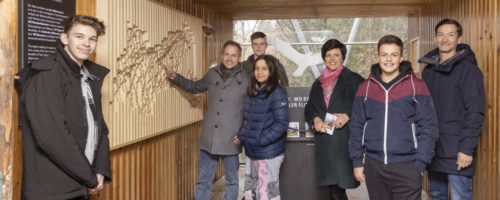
41 24
297 100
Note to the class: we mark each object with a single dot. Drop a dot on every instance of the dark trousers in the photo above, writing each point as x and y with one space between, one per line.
337 193
392 181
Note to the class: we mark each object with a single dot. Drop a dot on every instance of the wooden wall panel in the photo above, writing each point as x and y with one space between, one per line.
86 7
144 105
162 167
8 66
480 20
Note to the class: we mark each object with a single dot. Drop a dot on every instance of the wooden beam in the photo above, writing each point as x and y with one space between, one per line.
309 2
285 9
319 12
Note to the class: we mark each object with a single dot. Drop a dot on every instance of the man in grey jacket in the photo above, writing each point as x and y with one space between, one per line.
227 85
259 46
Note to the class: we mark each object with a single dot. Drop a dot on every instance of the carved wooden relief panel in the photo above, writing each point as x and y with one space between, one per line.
139 101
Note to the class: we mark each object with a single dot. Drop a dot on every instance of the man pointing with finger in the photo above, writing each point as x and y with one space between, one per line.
227 85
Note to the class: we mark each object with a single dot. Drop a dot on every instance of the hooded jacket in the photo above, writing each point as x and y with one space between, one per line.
55 130
393 122
457 87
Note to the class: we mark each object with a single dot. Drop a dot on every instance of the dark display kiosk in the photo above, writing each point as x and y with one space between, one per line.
298 174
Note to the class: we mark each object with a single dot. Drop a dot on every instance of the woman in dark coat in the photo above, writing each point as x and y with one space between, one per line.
333 93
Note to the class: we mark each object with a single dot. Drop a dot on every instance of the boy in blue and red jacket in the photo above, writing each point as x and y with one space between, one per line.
394 123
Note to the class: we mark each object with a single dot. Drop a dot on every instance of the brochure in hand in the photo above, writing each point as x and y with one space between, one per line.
329 119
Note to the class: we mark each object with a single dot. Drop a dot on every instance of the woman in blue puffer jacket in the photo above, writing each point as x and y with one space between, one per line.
262 133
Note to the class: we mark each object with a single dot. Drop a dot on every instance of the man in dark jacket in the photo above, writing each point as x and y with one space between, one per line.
227 86
65 137
259 46
456 85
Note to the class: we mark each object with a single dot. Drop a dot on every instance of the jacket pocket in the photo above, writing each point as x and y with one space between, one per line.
414 132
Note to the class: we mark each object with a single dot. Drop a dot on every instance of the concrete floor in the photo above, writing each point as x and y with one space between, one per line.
359 193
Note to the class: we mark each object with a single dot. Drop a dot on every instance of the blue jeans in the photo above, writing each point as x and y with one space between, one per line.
460 186
206 172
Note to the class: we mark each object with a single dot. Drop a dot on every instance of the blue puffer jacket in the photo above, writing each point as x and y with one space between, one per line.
457 87
264 124
393 125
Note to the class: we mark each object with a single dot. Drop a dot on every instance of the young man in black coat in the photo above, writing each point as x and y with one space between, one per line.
65 137
456 86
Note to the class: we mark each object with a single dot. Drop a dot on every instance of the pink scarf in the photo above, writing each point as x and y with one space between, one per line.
328 82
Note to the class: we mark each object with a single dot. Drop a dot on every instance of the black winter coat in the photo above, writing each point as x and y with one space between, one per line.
457 88
333 165
55 130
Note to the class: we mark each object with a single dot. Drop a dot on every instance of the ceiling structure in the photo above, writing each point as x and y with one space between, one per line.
286 9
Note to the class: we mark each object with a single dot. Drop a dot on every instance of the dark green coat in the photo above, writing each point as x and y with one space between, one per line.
333 166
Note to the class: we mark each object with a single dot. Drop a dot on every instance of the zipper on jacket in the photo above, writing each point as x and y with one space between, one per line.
414 131
363 138
386 115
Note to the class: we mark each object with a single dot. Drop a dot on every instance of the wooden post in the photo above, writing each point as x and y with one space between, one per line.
8 65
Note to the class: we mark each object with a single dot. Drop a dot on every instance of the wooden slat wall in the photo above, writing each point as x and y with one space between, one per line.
481 23
162 167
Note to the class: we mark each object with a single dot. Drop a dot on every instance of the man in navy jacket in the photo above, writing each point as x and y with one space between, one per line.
456 85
